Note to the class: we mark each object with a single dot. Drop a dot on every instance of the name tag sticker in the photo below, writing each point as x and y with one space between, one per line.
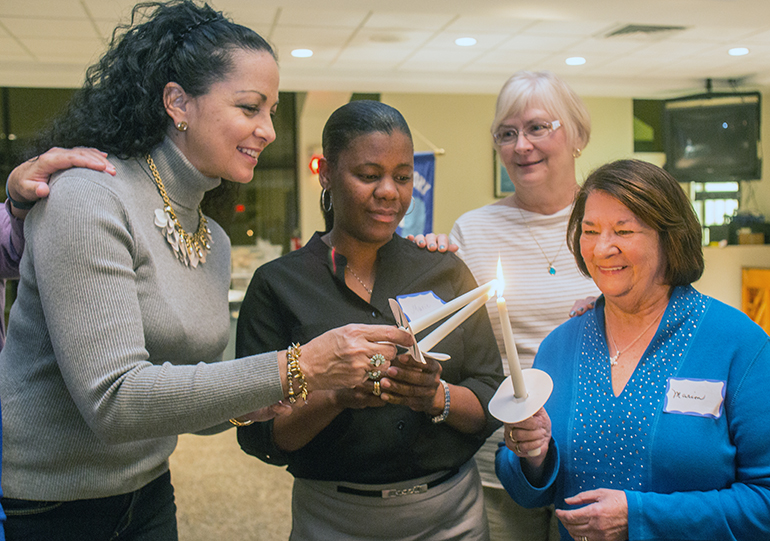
416 305
698 397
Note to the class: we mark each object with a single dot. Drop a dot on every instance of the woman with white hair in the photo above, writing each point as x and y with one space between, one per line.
540 127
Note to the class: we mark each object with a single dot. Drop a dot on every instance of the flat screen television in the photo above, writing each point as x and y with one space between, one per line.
713 137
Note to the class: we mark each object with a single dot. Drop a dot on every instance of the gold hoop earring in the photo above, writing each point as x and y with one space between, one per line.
181 126
323 200
576 153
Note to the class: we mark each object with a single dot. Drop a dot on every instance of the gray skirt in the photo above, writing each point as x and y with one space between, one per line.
452 510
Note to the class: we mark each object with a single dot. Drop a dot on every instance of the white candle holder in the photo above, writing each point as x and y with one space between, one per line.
505 407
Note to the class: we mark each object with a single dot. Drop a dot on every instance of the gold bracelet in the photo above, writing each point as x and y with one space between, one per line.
236 422
294 372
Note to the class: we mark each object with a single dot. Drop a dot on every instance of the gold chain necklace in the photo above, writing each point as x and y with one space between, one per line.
551 268
189 249
359 279
619 352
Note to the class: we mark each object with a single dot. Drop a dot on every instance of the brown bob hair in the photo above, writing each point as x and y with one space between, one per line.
658 200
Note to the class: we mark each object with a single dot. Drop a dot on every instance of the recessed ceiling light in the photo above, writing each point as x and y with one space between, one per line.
575 61
465 42
738 51
302 53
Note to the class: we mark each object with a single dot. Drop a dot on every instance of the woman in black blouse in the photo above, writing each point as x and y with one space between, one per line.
392 457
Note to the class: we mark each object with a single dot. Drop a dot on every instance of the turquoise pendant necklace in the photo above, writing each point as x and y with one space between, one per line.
551 268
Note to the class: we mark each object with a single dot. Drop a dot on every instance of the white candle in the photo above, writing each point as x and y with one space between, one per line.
451 307
453 322
514 366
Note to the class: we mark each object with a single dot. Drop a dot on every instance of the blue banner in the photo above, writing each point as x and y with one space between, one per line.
419 217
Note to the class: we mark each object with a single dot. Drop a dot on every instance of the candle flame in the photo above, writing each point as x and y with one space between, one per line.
500 287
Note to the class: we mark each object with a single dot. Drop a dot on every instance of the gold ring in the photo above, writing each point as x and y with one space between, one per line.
517 449
584 538
510 435
374 375
376 391
377 359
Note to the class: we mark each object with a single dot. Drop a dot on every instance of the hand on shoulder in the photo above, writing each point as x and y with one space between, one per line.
433 242
28 182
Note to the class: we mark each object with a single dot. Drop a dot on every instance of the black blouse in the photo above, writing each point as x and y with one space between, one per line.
302 295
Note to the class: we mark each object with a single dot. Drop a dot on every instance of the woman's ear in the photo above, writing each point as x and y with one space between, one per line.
324 173
176 102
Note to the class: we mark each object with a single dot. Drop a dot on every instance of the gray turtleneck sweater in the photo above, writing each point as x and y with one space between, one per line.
114 347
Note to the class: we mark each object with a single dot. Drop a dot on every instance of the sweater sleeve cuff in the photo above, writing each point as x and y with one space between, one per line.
508 468
17 231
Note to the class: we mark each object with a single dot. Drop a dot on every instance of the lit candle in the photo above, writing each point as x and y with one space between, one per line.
451 307
453 322
514 367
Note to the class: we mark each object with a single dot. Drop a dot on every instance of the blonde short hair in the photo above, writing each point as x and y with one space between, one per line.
546 90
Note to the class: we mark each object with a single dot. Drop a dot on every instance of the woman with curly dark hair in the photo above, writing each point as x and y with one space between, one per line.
117 333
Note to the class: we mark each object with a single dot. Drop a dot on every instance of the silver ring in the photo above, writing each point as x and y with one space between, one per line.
517 449
377 359
584 538
376 391
374 375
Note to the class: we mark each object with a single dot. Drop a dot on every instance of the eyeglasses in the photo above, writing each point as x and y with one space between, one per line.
534 132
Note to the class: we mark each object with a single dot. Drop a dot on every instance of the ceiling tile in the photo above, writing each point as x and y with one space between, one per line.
569 28
505 62
501 25
243 11
762 37
12 50
36 8
439 60
604 46
484 41
50 28
528 42
321 58
68 50
320 18
372 57
309 37
714 34
110 10
400 39
412 21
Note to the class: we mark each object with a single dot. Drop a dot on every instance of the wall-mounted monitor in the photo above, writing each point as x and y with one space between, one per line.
713 137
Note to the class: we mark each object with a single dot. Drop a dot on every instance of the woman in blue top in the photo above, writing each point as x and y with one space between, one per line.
656 426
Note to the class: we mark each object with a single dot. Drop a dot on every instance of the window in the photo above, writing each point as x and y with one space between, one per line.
715 202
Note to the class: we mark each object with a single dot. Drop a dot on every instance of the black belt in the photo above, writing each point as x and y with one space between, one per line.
396 492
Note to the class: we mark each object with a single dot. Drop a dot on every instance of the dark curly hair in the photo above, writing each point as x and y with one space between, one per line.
120 108
658 200
352 120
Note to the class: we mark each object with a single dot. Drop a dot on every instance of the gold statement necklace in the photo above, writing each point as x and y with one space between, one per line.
189 249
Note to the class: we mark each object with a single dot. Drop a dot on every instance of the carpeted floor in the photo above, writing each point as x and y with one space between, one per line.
222 493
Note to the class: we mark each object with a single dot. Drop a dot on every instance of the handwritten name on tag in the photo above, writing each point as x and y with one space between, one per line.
416 305
699 397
